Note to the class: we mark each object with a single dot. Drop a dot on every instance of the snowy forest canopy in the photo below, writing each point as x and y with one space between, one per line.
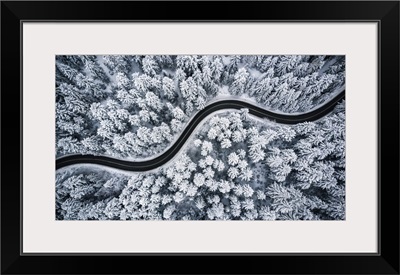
234 167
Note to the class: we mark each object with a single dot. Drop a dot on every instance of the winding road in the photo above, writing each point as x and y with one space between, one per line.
138 166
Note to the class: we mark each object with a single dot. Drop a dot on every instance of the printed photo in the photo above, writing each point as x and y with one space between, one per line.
200 137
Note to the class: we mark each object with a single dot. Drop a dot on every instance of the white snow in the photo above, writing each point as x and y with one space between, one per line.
90 168
226 60
254 73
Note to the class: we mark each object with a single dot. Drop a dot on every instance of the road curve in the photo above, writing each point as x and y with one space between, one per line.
140 166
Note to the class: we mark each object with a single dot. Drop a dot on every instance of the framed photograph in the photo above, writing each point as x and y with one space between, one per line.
263 132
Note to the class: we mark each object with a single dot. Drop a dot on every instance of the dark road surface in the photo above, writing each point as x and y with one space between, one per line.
174 149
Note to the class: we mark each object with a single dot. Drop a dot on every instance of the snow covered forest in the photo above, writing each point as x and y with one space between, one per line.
235 166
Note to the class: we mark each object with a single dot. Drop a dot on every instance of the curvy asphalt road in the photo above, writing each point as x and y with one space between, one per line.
174 149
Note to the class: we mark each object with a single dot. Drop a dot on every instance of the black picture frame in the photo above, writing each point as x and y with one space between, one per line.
385 13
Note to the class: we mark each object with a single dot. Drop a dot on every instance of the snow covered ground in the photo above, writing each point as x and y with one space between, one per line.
233 166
